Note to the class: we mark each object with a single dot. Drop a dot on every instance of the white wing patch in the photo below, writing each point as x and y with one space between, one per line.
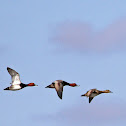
16 79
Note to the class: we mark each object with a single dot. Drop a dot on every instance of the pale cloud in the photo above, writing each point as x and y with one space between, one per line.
88 114
83 36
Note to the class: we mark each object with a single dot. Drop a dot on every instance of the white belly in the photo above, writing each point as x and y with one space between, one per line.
15 87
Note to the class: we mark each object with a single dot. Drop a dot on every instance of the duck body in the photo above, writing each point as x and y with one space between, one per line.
94 92
16 83
58 85
16 87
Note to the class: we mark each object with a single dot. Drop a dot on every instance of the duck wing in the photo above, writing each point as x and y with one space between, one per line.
59 89
15 77
90 99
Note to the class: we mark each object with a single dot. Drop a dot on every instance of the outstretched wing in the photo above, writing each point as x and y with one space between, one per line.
59 89
90 99
15 77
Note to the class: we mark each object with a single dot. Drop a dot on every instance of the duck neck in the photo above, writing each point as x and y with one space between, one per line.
65 83
23 85
103 91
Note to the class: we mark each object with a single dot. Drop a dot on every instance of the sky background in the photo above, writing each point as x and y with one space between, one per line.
74 40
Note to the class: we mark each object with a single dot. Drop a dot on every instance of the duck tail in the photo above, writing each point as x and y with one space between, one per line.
83 95
47 87
6 88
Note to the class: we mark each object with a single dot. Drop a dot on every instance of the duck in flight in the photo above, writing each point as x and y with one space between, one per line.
94 92
16 84
59 84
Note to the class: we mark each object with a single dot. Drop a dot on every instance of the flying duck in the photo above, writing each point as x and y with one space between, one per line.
58 85
94 92
16 84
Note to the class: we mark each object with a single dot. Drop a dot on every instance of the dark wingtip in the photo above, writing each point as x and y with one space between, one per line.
90 99
59 94
60 98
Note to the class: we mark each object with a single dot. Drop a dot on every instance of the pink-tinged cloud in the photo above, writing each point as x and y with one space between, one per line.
88 114
83 36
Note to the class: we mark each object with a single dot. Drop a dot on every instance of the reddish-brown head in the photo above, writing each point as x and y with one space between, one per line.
73 85
32 84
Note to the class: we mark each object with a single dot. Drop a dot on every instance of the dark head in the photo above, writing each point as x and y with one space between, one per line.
32 84
73 85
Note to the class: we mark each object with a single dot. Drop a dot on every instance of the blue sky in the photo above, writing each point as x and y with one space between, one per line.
34 42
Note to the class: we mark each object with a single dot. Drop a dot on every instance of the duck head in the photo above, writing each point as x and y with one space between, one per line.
73 85
32 84
108 91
